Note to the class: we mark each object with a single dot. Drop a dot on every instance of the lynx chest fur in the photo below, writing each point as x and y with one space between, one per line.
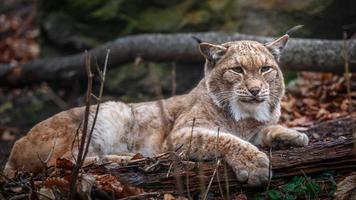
239 96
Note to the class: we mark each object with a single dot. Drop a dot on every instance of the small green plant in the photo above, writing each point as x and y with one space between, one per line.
298 187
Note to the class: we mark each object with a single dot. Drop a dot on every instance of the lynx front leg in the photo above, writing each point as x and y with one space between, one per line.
279 133
249 164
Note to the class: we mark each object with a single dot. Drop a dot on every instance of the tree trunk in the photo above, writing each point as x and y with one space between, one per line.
300 54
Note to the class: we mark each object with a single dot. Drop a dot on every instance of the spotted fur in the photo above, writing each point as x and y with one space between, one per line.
239 96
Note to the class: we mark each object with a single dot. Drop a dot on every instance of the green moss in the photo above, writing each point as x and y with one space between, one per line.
7 105
104 20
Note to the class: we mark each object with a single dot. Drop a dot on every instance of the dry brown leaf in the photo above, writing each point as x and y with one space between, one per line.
168 197
17 189
322 112
137 156
7 136
299 122
344 105
316 97
131 190
240 196
56 181
109 183
309 102
46 193
85 185
346 189
171 197
64 163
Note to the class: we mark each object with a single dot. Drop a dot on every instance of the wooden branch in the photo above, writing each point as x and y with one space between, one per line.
167 172
83 137
87 132
300 54
318 157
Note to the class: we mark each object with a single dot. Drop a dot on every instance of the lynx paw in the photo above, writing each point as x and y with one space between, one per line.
251 167
286 135
301 139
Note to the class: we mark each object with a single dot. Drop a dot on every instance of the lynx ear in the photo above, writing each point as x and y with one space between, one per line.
212 52
276 47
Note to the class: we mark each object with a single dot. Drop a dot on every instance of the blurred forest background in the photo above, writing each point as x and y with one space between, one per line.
32 29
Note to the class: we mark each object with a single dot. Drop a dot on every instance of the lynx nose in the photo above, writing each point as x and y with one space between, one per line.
254 91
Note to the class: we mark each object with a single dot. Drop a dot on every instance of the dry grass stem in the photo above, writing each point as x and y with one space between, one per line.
54 97
187 157
78 163
269 171
211 180
174 80
102 75
145 195
348 83
226 181
45 161
85 138
217 160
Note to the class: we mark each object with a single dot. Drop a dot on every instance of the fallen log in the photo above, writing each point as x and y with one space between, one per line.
167 174
300 54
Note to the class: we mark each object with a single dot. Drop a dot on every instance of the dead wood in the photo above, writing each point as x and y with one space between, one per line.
300 54
317 157
87 131
159 175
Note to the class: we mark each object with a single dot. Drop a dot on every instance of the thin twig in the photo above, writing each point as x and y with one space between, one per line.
76 138
142 196
83 137
4 176
54 97
200 169
33 193
44 162
348 83
211 180
174 81
187 156
43 195
190 140
227 185
99 99
177 157
308 180
216 160
269 170
169 169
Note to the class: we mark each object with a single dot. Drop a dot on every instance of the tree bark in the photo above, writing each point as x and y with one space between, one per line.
300 54
320 156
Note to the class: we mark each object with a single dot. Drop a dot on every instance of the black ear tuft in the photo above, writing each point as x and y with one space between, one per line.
294 29
276 47
197 39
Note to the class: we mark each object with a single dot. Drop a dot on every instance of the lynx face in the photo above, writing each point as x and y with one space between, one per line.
244 76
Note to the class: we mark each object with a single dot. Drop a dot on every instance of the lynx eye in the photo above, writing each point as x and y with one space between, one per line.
238 70
265 69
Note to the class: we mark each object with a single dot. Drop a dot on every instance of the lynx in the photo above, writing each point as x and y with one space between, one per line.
240 95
